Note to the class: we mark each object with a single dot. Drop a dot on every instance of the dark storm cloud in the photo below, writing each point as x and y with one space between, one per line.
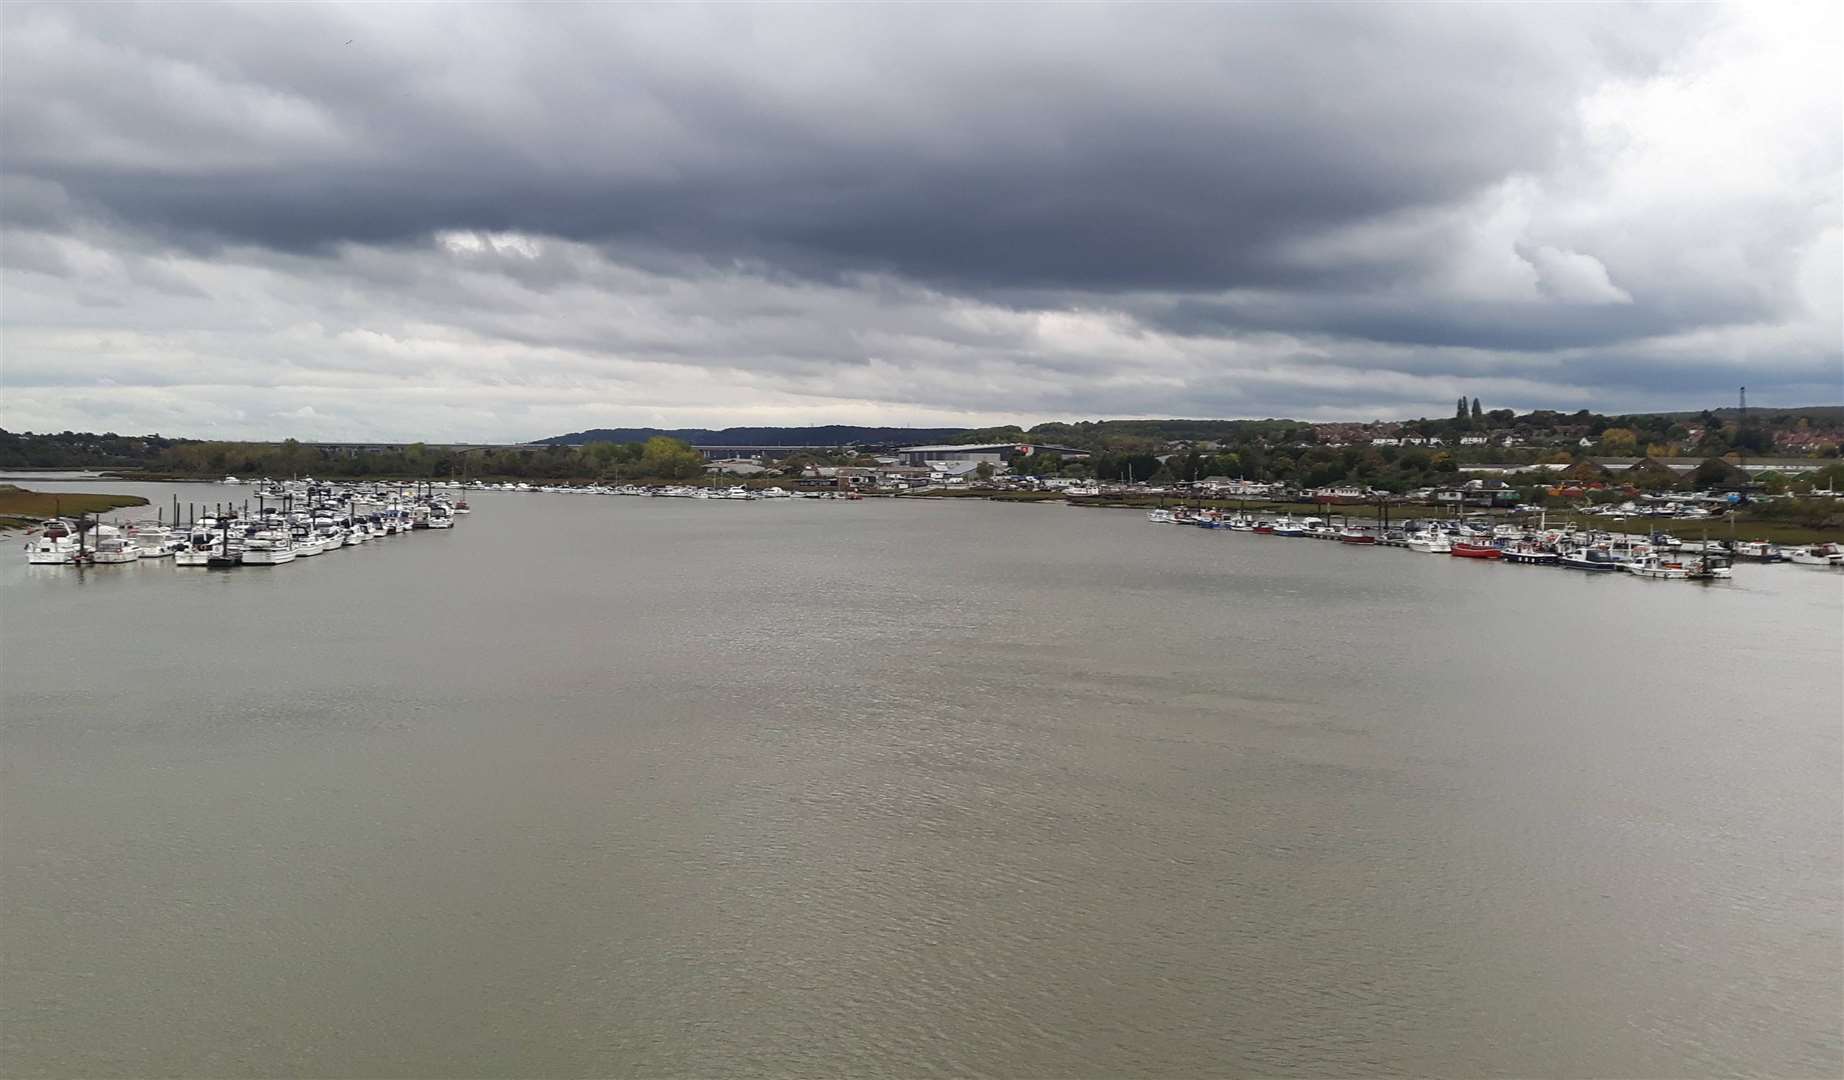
910 212
1143 147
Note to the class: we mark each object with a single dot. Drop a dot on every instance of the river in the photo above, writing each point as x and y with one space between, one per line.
605 786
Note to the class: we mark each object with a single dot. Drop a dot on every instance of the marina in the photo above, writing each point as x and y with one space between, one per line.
1658 556
301 519
290 521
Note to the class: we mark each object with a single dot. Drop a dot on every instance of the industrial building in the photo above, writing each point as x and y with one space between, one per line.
990 453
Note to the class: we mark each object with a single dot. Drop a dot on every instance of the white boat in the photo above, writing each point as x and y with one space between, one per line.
113 548
192 556
1821 555
1161 517
55 546
1652 566
1430 543
156 541
268 549
306 547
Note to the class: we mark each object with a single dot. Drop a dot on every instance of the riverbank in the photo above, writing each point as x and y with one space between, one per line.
1745 526
20 508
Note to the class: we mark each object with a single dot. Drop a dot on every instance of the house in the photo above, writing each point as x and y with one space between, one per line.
1475 440
737 467
1484 493
1223 485
992 453
1342 493
1386 442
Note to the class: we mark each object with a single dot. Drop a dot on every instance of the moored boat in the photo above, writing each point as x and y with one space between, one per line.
1529 554
112 548
1758 551
268 549
1820 555
1588 559
1657 568
1466 549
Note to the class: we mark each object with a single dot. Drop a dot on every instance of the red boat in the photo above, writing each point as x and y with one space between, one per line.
1464 550
1352 536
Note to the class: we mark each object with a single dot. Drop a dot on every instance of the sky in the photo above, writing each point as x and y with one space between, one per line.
495 222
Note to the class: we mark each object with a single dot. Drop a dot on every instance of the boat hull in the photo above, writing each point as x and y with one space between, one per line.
1475 551
1531 558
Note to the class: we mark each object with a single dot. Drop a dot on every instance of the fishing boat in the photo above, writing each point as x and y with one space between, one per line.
1657 567
1353 535
1588 559
1710 567
1758 551
1467 549
1288 527
1526 553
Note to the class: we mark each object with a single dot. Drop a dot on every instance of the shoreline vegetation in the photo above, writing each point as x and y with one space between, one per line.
22 509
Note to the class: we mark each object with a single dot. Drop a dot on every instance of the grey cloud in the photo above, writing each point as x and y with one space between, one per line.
897 212
1095 147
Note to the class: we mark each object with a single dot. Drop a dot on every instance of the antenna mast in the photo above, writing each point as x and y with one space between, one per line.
1741 430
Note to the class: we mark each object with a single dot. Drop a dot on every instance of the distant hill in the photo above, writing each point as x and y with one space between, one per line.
825 435
1770 412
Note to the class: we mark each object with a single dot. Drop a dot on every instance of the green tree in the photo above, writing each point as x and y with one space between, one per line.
670 459
1478 414
1715 472
1619 442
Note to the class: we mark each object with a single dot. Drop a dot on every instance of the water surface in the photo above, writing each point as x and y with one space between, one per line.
599 786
